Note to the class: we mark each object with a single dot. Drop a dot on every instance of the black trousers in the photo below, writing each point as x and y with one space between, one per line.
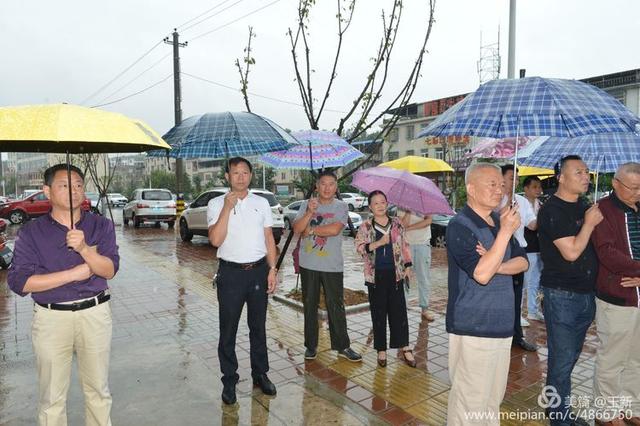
332 284
518 284
386 300
236 287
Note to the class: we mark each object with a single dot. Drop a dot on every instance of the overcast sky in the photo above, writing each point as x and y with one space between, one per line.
65 50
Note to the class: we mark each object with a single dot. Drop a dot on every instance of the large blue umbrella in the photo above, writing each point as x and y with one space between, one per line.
603 152
534 106
225 135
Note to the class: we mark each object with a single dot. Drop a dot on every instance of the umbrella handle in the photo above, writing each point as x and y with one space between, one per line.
70 191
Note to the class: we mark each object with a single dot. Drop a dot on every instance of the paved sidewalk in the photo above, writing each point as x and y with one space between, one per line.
165 370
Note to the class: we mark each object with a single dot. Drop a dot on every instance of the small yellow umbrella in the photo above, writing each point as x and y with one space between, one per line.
73 129
416 164
533 171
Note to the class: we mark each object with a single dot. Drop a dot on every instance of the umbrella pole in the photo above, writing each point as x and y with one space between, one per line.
595 193
69 187
515 163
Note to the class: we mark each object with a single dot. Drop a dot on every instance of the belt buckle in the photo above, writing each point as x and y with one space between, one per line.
248 266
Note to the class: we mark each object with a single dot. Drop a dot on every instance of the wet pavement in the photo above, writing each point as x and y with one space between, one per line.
164 367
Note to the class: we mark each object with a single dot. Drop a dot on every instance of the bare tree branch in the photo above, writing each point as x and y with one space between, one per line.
343 26
248 60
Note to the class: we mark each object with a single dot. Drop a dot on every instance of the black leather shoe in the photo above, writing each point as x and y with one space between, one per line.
229 394
310 353
265 385
350 354
530 347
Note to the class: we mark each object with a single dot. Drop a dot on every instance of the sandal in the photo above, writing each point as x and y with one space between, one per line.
382 362
411 363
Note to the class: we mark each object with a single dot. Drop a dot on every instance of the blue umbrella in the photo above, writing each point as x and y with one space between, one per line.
603 152
534 106
224 135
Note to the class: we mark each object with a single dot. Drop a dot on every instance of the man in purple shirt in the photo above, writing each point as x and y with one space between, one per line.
65 266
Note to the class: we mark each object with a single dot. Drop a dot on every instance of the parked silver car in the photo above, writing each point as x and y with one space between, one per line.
150 205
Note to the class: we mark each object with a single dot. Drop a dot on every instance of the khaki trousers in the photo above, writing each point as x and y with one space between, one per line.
617 371
478 369
56 335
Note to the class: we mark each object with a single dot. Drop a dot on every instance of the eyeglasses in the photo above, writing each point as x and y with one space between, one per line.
628 187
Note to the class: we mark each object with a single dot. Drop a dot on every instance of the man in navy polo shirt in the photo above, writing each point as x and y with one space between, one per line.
240 226
65 266
483 257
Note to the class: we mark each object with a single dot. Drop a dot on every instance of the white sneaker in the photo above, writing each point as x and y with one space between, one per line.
524 322
536 317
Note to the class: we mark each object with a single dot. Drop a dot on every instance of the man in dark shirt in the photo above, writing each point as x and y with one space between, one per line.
65 266
565 224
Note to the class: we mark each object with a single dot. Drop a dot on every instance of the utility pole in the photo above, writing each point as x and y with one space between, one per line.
177 107
511 63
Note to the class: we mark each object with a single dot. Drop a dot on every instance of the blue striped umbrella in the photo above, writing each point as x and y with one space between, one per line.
318 149
534 106
225 135
603 152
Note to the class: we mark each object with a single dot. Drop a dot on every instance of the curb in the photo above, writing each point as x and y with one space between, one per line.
322 313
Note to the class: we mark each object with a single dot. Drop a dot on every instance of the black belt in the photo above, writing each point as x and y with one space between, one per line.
78 306
245 266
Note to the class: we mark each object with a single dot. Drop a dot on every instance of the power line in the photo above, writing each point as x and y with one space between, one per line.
234 21
136 93
121 73
209 17
203 13
253 94
136 77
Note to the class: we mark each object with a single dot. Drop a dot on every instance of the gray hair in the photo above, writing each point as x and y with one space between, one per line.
628 168
477 166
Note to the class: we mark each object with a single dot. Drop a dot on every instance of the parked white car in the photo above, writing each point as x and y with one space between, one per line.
291 211
150 205
117 200
194 219
353 200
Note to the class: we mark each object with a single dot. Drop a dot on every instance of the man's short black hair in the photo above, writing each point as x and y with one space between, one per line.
557 169
327 172
506 168
51 172
530 179
235 161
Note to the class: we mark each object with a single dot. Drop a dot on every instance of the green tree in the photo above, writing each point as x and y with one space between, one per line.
269 175
197 184
164 179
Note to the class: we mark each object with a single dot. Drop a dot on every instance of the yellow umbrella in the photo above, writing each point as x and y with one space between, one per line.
416 164
533 171
74 129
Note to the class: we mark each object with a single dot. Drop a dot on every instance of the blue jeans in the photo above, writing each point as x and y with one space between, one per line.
532 282
568 316
421 260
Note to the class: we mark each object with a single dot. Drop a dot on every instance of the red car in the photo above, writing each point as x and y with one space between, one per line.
35 205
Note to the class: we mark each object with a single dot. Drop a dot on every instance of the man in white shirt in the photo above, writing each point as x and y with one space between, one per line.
526 219
240 226
418 234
